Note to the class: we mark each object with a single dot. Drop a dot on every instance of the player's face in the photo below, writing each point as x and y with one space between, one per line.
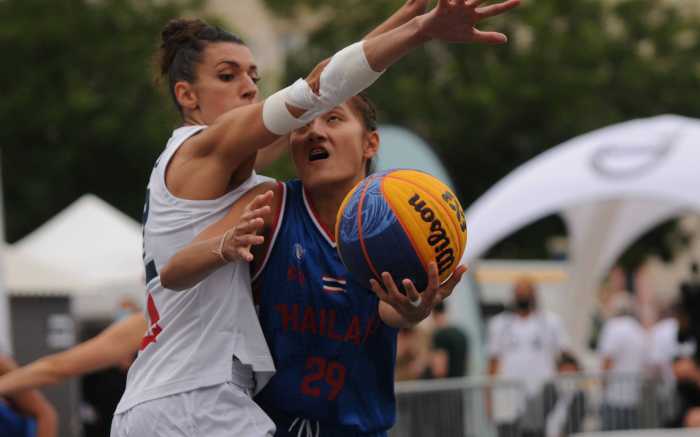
332 150
226 79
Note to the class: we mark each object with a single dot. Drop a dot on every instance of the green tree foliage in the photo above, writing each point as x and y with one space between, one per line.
79 108
570 67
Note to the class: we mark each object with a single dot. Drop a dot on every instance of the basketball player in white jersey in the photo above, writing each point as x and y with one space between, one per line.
204 353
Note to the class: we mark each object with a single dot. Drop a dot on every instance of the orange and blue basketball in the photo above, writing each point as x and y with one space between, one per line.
398 221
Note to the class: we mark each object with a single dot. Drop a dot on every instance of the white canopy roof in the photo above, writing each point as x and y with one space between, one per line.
89 250
611 186
27 276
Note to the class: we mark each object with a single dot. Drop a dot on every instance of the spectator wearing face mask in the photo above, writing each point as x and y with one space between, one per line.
624 353
524 344
566 400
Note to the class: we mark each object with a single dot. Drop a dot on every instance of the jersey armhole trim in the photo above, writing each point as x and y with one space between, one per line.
196 130
276 225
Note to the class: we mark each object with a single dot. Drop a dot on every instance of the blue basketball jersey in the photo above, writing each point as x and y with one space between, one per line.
334 356
14 425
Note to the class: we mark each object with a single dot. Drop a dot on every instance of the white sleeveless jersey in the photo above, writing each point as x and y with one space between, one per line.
193 334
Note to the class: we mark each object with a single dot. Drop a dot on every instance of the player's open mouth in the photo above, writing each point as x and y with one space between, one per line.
318 153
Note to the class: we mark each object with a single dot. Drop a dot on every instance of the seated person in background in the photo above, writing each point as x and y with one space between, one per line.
447 359
25 413
449 349
623 350
687 375
412 353
566 407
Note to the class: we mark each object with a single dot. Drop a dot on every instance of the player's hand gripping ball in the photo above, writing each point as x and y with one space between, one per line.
398 221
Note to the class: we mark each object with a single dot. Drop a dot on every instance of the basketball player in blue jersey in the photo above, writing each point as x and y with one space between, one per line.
205 353
332 339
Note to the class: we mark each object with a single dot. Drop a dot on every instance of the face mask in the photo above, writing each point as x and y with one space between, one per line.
524 304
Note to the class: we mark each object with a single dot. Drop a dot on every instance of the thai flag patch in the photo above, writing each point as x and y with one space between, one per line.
333 285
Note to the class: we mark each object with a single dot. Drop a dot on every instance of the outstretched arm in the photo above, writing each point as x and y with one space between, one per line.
119 341
31 403
237 134
230 239
411 9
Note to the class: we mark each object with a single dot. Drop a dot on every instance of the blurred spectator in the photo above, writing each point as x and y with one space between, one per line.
102 390
449 348
687 375
26 413
623 350
665 346
566 401
412 353
524 344
665 349
615 282
447 359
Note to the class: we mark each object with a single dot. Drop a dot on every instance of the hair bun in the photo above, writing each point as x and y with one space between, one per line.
175 34
181 30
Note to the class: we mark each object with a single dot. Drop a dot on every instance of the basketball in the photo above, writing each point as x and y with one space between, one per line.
398 221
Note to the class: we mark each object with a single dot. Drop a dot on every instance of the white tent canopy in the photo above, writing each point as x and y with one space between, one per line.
89 250
27 276
611 186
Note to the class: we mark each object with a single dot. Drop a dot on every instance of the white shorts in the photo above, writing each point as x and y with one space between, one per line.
225 410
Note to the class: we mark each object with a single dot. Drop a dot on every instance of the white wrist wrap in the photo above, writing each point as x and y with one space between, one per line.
276 117
347 74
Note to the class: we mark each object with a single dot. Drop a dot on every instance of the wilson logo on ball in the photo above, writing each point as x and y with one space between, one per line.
437 238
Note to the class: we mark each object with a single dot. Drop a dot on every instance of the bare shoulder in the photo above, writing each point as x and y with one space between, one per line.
233 125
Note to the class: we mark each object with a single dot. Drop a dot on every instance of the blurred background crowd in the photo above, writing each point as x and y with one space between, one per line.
577 316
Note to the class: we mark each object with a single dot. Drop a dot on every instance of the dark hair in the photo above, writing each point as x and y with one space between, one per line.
567 358
363 106
183 42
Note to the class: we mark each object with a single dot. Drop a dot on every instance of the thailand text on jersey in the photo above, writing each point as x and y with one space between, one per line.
334 356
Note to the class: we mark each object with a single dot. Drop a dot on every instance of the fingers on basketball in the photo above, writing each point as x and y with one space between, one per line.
379 291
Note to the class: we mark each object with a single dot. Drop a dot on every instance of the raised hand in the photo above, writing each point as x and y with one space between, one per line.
416 7
415 306
236 242
455 21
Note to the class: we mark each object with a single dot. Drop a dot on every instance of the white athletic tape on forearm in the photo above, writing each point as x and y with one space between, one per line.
301 95
276 116
347 74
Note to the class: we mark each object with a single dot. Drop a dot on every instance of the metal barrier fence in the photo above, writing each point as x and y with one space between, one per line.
485 407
